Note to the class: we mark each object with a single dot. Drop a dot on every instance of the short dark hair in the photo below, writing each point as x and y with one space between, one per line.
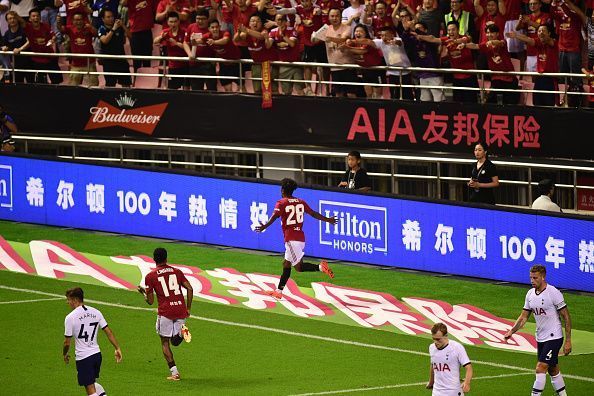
202 12
439 327
216 21
172 14
422 24
35 9
103 11
545 186
160 255
82 14
492 28
484 146
76 293
541 269
288 185
355 154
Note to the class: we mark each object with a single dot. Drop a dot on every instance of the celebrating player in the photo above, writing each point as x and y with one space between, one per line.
165 281
82 323
291 211
547 304
446 358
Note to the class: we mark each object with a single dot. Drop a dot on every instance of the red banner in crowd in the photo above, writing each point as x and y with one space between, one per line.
266 85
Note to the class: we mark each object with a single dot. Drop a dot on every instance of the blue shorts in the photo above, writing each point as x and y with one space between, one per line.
88 369
548 351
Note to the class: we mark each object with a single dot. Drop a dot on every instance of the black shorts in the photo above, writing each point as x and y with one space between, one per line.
228 70
116 66
315 54
177 82
344 76
548 351
88 369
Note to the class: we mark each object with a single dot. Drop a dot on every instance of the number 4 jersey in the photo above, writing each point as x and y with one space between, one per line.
291 211
83 323
166 283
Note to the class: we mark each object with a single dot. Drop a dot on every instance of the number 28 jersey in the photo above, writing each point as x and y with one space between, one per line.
291 212
166 283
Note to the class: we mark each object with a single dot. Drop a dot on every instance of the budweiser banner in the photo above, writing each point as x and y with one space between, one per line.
334 122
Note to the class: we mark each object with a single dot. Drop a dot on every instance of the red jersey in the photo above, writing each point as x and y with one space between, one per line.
486 20
378 23
141 15
499 60
180 6
541 19
513 9
258 50
227 51
373 56
569 28
173 49
73 6
286 54
309 23
326 5
239 17
166 283
196 33
81 42
547 60
459 59
39 40
292 212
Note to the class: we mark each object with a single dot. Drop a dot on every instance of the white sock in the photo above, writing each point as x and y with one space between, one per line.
94 394
320 266
174 370
558 384
539 384
99 389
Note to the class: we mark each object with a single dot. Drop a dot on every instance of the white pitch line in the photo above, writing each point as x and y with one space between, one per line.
28 301
399 385
292 333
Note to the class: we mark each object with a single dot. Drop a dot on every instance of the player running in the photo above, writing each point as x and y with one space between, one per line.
82 323
165 281
547 304
291 211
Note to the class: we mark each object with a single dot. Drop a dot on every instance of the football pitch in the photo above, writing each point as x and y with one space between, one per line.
239 350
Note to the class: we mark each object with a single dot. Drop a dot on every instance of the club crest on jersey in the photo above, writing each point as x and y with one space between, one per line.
360 228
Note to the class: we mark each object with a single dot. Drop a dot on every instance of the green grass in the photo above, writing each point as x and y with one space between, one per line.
224 359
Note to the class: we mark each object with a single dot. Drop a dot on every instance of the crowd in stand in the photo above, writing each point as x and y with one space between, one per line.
544 36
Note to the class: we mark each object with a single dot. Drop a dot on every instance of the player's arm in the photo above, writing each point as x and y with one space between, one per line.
149 297
321 217
431 378
262 227
564 314
520 322
114 342
66 348
467 378
189 295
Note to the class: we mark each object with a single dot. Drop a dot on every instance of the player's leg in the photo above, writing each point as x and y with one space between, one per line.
308 267
278 293
99 389
553 369
168 354
181 332
88 371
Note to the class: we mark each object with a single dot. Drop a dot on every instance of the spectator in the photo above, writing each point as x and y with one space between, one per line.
81 35
223 47
4 59
15 40
112 37
426 55
42 40
49 15
547 62
238 13
431 17
569 20
336 37
285 41
464 19
22 8
355 177
75 6
351 16
516 48
590 79
366 55
484 177
141 15
546 189
591 40
260 47
196 47
499 59
530 24
379 18
182 7
490 14
326 6
7 128
172 38
4 8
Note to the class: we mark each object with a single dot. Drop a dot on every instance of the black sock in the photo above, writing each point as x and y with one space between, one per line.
284 278
307 267
176 340
171 363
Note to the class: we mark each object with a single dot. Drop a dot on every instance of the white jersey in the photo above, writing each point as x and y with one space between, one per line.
545 306
83 323
446 364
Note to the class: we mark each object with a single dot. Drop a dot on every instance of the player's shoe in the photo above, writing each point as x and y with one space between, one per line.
326 269
174 377
274 293
185 332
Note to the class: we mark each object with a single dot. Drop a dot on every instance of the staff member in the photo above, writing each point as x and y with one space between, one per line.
7 128
484 177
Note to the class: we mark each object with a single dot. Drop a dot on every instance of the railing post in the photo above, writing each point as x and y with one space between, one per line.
529 186
302 159
482 88
565 98
13 68
88 72
575 194
400 76
438 174
240 76
214 162
169 157
121 153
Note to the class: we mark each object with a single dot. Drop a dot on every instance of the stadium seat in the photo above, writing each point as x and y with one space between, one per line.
148 82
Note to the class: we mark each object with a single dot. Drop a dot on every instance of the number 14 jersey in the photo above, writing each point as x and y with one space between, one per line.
291 212
166 283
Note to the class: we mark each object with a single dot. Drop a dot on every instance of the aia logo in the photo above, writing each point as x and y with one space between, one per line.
441 367
539 311
141 119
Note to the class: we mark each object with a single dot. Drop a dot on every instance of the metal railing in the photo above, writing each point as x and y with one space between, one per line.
170 151
482 75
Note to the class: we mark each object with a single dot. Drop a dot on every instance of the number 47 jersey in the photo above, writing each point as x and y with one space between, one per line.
166 283
84 323
291 211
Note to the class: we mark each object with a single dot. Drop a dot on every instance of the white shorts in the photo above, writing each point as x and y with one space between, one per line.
513 45
447 392
167 327
294 251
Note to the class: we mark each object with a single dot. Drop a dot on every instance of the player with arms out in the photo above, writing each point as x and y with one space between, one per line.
82 323
166 283
547 304
291 210
447 356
